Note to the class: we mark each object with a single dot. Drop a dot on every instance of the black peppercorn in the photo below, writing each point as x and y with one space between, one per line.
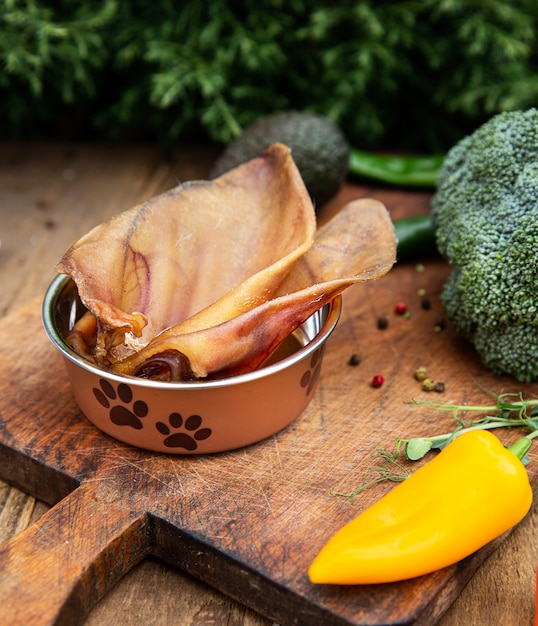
382 322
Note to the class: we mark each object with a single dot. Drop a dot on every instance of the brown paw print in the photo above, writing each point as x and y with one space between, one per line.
123 411
182 439
310 377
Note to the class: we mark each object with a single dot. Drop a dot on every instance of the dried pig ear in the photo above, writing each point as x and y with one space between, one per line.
193 257
357 245
209 278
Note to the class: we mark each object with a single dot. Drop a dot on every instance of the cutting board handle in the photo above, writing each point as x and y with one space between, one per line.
57 569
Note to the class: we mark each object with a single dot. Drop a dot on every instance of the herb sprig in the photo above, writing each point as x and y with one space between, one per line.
510 410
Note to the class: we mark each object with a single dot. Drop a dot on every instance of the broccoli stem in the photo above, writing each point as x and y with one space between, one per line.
404 170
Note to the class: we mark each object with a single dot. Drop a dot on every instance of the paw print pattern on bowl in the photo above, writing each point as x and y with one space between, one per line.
123 411
310 377
182 439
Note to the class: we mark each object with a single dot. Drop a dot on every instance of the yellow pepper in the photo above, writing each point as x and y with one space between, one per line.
471 493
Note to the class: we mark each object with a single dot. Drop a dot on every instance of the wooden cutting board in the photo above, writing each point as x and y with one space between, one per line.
247 522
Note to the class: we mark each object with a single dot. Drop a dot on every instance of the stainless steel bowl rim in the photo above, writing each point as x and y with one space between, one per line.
59 282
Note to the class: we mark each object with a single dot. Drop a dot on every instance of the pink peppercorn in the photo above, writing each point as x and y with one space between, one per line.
377 380
400 308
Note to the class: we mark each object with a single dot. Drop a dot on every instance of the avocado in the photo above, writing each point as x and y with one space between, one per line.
317 146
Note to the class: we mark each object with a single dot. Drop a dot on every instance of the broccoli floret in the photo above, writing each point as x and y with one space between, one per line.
485 213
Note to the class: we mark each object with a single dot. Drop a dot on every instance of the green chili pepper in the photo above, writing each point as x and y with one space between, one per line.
415 236
404 171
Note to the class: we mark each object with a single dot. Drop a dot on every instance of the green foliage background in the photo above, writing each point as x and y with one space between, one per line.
410 74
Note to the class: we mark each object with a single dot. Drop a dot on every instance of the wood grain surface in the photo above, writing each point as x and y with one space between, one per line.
268 506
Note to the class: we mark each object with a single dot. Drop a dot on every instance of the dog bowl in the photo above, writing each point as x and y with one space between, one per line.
192 417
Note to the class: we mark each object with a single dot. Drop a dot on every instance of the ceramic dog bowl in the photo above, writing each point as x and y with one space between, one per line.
192 417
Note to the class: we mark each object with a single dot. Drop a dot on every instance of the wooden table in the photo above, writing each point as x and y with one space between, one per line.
52 194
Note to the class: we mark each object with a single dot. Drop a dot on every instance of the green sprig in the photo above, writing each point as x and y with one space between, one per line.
510 410
388 469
